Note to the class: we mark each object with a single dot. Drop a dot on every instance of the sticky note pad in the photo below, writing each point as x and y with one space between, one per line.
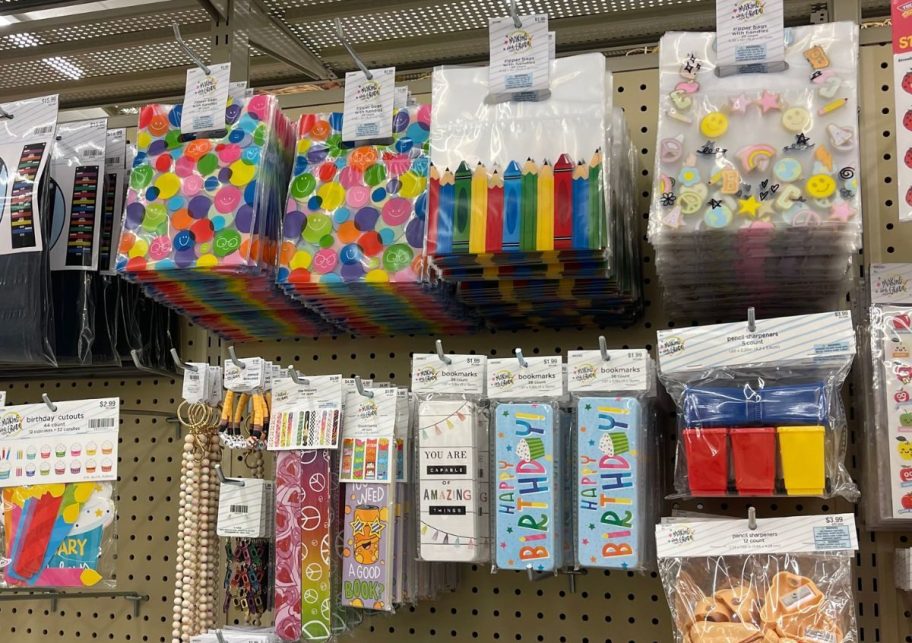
609 494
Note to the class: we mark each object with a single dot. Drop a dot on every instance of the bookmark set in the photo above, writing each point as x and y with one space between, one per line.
759 406
60 532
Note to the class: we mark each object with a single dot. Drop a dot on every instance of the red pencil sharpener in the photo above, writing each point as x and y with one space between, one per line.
707 461
754 459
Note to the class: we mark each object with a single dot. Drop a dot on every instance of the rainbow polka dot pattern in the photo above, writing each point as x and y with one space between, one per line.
202 217
353 234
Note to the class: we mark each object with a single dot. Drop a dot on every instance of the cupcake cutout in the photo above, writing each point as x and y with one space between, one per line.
45 468
30 471
76 449
75 467
91 448
106 464
45 451
31 453
107 448
60 467
60 450
91 465
4 470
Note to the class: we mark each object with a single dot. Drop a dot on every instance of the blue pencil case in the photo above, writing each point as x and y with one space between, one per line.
802 404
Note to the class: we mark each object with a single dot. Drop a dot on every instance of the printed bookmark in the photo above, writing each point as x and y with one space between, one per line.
897 351
608 508
22 207
368 437
367 554
525 488
449 482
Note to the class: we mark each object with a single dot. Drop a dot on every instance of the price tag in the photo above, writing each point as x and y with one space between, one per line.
215 385
368 110
247 378
750 36
245 508
519 55
401 97
237 91
205 99
196 383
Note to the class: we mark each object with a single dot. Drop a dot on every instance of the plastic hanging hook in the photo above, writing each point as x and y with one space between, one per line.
232 357
351 52
443 356
519 356
186 49
751 518
47 400
181 367
513 14
751 319
225 480
360 386
297 379
603 347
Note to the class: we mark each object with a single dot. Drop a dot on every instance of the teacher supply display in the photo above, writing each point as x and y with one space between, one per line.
202 217
756 185
453 457
526 479
773 579
354 227
57 469
521 210
759 407
26 144
887 375
615 465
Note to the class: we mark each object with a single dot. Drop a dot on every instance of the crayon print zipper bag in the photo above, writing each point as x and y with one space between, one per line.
356 212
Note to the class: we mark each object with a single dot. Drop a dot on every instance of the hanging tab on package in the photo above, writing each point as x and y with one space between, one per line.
750 37
205 93
520 66
369 93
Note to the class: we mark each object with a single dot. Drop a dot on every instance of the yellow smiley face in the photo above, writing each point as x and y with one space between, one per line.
820 186
796 119
714 125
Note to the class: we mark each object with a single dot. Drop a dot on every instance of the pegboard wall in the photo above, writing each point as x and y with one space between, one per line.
613 607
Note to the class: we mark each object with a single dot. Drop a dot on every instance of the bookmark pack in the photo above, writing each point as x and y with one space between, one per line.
452 453
526 479
614 461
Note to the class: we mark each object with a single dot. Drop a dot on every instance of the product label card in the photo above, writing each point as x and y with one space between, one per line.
625 370
306 416
368 110
245 376
403 424
901 14
205 99
793 535
520 56
26 143
237 91
819 338
246 511
750 35
196 383
609 507
540 377
367 554
450 487
891 283
75 443
116 149
368 437
464 375
528 527
111 217
215 385
897 373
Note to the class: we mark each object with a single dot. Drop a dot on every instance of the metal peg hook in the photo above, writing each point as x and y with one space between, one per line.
186 49
218 635
519 356
297 379
751 319
516 21
134 353
751 518
47 400
181 367
443 356
232 357
225 480
360 386
351 52
603 347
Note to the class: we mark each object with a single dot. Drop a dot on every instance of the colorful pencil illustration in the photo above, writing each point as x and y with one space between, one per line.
581 220
461 209
563 202
433 201
446 202
529 206
479 210
596 201
512 182
544 229
495 214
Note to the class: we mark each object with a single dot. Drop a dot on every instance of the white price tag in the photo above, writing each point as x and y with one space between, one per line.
245 508
215 385
196 383
539 377
237 91
247 375
519 55
624 370
205 99
750 35
368 111
401 97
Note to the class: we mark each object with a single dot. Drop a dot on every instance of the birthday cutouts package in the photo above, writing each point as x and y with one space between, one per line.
57 474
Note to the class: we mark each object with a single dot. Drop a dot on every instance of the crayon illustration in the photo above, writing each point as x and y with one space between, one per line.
478 210
495 216
544 232
446 208
529 206
563 202
512 194
462 208
581 221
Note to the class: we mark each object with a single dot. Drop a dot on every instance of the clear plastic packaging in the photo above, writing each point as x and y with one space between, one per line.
723 589
617 493
759 410
754 168
26 311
